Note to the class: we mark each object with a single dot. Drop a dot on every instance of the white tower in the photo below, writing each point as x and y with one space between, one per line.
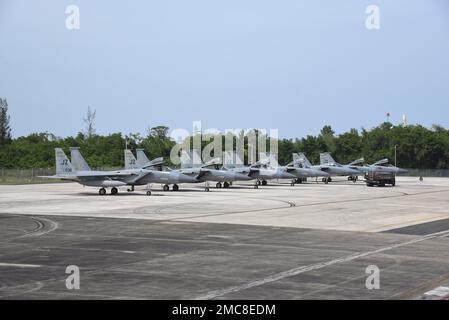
404 120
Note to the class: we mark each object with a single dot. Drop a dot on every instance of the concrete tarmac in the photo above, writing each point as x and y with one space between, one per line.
310 241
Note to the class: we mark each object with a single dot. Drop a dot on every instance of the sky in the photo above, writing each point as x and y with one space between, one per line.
290 65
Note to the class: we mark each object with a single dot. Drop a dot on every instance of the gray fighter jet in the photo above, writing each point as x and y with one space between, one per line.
192 165
382 165
80 172
167 176
260 171
300 173
357 165
333 169
147 173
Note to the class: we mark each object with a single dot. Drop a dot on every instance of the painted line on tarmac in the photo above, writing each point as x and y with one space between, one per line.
296 271
19 265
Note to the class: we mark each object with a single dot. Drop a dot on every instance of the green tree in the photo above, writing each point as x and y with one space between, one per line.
89 121
5 129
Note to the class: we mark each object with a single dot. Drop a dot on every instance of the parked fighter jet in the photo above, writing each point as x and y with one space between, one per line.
81 173
148 176
333 169
384 166
300 173
192 165
168 176
259 171
326 159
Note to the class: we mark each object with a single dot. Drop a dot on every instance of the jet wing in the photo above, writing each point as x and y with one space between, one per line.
56 177
141 176
153 163
106 174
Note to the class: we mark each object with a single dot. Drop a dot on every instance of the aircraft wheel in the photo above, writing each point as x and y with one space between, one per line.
175 187
148 193
226 185
206 189
329 179
218 185
264 182
102 191
256 186
324 179
292 184
166 187
259 182
114 191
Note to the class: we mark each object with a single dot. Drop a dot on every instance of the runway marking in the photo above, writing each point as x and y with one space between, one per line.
296 271
19 265
42 227
440 292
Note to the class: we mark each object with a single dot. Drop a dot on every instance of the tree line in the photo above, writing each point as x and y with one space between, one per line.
416 146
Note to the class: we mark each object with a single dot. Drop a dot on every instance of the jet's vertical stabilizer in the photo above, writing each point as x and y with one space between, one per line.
300 158
326 159
130 160
270 158
63 165
142 158
229 159
77 160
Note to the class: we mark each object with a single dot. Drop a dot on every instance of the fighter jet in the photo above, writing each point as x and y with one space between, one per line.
80 172
167 176
332 168
259 171
192 165
299 173
384 166
357 165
